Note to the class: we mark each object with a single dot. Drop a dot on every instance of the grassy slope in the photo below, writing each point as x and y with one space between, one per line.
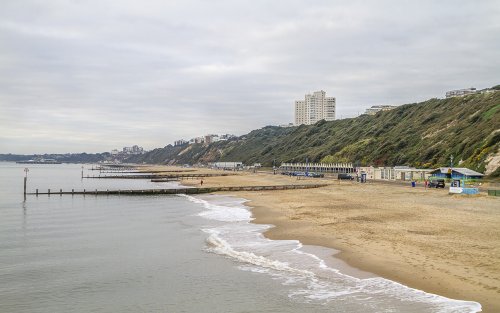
422 134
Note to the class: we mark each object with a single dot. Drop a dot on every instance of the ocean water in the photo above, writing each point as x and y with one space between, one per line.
167 254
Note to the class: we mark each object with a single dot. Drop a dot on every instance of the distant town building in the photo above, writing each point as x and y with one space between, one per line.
228 165
487 90
180 142
133 150
137 150
115 152
378 108
211 138
197 140
460 92
315 107
208 139
226 137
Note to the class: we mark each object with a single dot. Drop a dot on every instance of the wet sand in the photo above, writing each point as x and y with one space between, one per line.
425 239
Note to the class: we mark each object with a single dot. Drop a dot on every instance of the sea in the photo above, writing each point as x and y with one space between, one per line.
168 253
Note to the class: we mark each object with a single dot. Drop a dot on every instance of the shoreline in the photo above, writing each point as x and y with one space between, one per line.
437 282
424 239
283 230
327 256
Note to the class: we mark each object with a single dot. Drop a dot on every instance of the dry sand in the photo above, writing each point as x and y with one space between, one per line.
425 239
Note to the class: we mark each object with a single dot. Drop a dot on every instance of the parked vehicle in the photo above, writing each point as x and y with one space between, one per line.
294 173
316 175
437 183
309 174
345 177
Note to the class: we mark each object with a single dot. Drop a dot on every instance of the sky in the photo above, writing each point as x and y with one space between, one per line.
94 75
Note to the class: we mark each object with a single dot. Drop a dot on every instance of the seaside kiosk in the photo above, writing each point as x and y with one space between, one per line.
462 180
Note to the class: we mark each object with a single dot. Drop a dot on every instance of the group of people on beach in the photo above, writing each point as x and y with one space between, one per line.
414 183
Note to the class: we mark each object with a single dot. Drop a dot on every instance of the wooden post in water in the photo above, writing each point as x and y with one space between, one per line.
26 170
72 191
37 192
48 192
60 192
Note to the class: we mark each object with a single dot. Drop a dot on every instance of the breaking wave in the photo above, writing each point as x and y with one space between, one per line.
308 276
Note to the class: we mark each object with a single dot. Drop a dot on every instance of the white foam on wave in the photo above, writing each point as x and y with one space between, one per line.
220 246
312 279
235 213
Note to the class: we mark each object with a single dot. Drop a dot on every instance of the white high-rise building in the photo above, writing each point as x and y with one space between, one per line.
315 107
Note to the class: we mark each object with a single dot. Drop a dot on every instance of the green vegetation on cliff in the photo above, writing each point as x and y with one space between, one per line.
422 134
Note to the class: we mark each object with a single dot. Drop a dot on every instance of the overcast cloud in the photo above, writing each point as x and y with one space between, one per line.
96 75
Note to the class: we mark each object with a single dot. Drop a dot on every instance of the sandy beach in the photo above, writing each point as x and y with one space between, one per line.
425 239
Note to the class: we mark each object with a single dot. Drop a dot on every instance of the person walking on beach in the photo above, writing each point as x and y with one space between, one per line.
425 183
201 182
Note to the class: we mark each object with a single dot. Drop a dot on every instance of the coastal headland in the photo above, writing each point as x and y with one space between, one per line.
422 238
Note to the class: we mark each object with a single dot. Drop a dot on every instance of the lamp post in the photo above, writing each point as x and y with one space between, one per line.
451 167
307 167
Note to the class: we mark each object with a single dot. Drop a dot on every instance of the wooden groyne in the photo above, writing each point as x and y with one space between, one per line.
187 191
163 180
145 172
114 167
156 176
